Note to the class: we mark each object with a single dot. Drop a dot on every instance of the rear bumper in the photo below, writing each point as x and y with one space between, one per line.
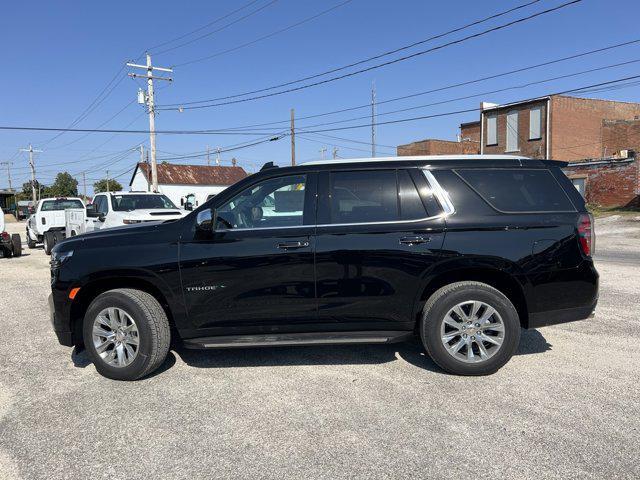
553 317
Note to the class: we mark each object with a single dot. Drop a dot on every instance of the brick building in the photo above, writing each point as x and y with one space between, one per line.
602 134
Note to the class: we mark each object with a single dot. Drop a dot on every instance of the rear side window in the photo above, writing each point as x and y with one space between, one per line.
60 204
411 206
364 196
518 190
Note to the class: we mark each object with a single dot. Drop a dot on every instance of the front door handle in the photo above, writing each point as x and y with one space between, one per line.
414 240
292 245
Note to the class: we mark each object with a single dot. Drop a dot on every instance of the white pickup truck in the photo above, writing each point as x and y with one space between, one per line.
127 208
47 224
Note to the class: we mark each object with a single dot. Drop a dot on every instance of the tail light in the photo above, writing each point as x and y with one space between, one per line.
586 235
5 236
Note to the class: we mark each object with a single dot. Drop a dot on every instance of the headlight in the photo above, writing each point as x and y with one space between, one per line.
58 258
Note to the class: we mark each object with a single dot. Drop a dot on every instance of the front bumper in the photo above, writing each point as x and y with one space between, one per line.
65 337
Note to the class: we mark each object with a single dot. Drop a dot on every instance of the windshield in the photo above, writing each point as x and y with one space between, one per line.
60 204
126 203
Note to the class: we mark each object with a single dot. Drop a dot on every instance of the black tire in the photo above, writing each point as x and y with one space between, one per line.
47 240
16 243
446 298
153 329
58 236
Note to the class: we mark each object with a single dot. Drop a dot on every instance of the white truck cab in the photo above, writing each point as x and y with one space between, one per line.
126 208
47 224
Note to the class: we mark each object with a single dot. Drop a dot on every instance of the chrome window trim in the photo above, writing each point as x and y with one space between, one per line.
440 193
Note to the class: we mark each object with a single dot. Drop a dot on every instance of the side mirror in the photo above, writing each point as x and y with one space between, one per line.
91 211
204 220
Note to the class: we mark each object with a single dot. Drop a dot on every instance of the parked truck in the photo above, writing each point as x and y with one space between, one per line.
47 225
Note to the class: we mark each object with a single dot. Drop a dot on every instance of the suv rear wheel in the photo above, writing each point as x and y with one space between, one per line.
47 242
126 333
470 328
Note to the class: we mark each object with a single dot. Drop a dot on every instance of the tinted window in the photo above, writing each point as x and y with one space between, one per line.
277 202
101 205
411 207
518 190
61 204
364 196
126 203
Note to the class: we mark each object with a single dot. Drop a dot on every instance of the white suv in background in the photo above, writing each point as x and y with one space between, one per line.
126 208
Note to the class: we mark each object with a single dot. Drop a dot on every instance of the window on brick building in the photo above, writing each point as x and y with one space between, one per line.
492 129
512 131
535 123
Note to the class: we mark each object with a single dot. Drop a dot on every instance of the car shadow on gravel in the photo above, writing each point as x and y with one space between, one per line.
411 351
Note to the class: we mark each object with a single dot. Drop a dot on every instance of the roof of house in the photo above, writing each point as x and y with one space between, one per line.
172 174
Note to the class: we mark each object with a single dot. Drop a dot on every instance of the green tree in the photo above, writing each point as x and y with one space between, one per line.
101 186
64 186
25 194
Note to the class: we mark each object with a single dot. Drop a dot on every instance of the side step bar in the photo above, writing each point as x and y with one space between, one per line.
290 339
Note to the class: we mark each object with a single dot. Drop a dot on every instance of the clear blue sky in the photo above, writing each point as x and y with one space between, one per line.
57 56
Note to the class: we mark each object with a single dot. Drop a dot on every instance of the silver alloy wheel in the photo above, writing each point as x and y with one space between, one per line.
472 331
115 337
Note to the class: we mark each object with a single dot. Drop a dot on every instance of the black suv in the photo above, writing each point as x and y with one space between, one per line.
462 251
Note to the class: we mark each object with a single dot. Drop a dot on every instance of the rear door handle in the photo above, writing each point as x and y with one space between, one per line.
414 240
292 245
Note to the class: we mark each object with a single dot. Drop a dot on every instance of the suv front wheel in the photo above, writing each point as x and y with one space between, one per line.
470 328
126 334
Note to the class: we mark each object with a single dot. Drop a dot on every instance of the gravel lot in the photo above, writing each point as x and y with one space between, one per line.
567 405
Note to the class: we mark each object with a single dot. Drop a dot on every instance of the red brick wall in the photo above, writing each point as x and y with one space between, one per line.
577 128
526 147
620 135
437 147
470 131
611 184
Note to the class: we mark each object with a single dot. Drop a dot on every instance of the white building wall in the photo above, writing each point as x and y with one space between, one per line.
177 192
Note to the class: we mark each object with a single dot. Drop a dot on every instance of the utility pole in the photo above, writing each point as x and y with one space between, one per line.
323 150
107 181
84 185
218 150
208 155
8 164
150 102
293 138
335 152
141 153
31 151
373 119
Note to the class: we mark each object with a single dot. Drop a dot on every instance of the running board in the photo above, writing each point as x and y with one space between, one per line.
291 339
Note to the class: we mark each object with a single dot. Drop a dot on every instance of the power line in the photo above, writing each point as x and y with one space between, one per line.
466 97
444 114
152 49
189 42
192 104
446 87
264 37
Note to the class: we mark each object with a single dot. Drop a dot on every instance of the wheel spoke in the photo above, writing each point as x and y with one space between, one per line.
130 352
487 314
483 349
470 355
120 355
449 320
132 340
491 339
458 311
474 310
498 327
101 332
447 337
113 318
103 346
456 348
